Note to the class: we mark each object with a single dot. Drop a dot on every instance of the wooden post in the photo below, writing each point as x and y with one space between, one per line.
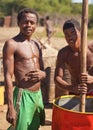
83 47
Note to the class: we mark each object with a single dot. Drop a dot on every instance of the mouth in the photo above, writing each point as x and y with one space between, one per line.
28 30
71 41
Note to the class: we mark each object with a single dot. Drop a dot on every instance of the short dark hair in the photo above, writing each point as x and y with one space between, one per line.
26 10
71 23
47 17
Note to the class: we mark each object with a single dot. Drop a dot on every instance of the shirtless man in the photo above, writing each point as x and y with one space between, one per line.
22 57
49 27
70 55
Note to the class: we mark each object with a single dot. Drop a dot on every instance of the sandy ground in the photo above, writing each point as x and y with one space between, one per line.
6 33
4 124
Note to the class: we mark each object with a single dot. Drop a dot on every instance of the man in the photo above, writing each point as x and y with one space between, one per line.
49 28
70 55
22 57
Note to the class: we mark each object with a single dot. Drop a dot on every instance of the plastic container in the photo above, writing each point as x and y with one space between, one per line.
1 95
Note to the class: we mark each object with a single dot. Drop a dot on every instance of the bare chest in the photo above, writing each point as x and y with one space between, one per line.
73 61
26 51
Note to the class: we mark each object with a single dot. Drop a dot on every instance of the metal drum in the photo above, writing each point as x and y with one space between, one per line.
66 115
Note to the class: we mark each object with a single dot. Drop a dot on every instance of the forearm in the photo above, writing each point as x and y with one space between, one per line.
9 92
11 113
62 83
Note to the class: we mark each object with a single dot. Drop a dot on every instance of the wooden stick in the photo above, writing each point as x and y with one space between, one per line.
83 47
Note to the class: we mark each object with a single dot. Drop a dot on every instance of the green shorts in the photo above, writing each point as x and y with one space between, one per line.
31 113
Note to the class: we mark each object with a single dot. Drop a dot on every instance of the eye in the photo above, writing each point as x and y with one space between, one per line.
73 32
32 22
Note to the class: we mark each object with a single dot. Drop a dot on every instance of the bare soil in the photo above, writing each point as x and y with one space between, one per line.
4 124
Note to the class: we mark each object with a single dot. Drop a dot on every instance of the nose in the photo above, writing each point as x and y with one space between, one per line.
28 23
69 38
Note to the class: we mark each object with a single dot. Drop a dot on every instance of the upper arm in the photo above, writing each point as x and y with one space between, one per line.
8 58
60 64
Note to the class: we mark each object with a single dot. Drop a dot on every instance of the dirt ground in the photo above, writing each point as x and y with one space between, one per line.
6 33
4 124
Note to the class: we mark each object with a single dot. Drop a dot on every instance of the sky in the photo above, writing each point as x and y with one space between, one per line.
78 1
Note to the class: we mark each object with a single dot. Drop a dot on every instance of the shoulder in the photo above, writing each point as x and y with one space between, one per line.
64 51
63 54
9 45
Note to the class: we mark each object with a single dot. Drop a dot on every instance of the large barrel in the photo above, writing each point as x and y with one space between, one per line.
66 115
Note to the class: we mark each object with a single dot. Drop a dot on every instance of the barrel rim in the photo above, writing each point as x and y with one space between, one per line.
66 96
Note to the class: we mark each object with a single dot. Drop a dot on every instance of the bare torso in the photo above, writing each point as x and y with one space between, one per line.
26 59
73 61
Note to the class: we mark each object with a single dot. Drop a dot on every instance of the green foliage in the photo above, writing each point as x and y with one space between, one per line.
5 7
52 7
90 33
76 8
90 16
42 6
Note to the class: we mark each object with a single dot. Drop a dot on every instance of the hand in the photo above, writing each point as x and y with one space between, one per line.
82 88
36 75
11 116
86 78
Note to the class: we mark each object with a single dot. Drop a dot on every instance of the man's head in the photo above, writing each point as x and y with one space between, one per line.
47 17
71 29
27 21
72 23
25 11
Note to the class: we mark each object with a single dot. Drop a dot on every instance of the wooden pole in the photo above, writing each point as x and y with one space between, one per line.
83 47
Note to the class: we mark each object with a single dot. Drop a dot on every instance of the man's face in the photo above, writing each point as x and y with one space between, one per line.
27 24
72 36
